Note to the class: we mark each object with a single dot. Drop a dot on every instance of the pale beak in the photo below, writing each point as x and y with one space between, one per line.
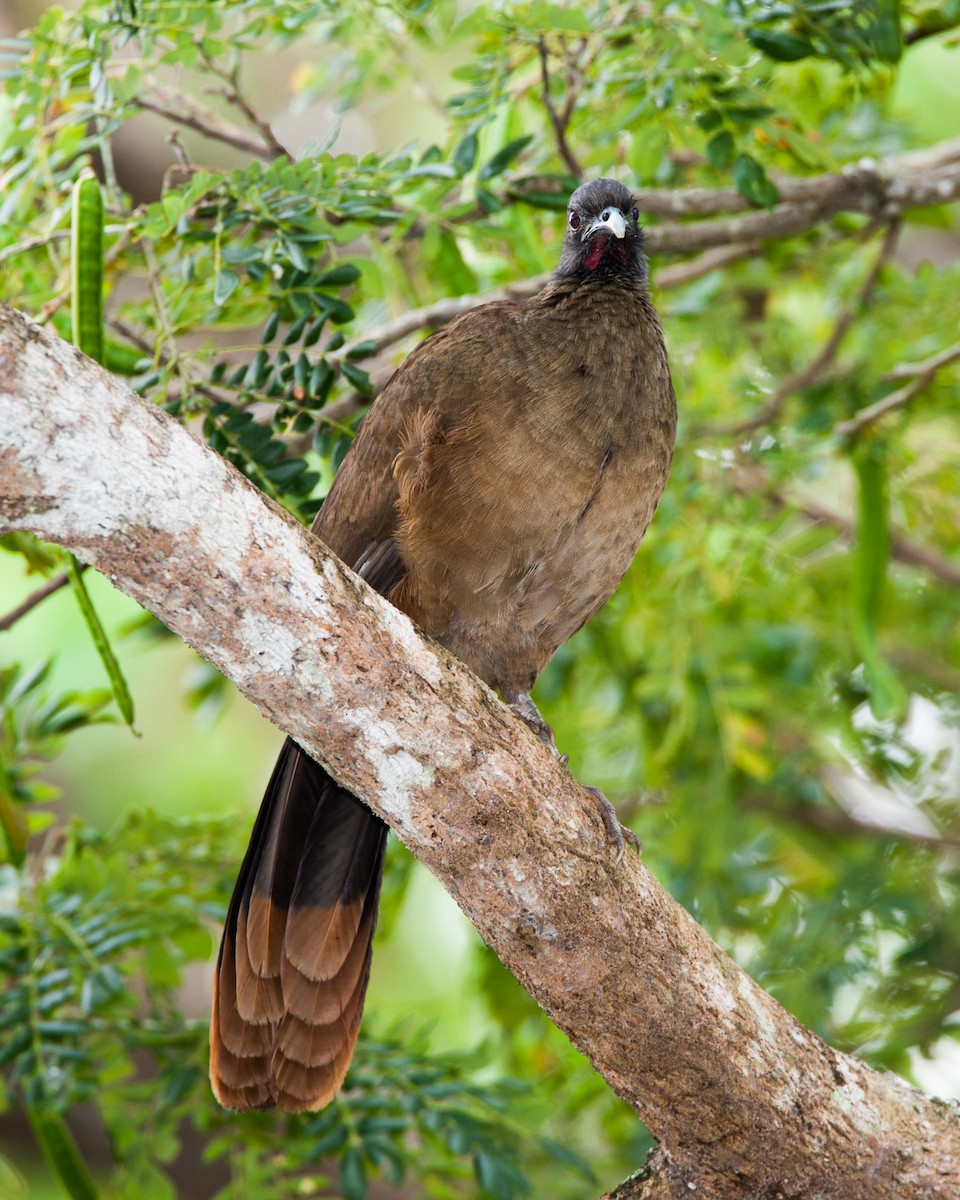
611 219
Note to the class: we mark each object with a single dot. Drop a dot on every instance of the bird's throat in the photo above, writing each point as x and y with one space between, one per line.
599 246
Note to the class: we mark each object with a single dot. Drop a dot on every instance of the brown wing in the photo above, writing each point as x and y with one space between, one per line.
434 388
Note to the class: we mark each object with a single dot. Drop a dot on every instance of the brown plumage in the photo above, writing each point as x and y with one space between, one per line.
497 492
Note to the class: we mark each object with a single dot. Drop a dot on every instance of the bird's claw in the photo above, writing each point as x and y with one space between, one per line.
618 834
521 704
524 707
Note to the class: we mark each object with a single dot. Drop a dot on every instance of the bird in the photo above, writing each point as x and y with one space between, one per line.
496 492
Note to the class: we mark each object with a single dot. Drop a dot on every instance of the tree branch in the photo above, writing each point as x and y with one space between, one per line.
923 373
559 125
185 110
902 549
881 190
742 1098
852 185
8 620
821 362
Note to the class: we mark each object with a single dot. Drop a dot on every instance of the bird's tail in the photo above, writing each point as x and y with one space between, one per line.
295 955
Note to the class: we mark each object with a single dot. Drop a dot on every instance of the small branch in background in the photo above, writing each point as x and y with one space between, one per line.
34 243
184 110
868 178
156 290
934 363
49 588
676 274
901 547
233 95
558 122
750 479
150 351
923 374
837 821
824 359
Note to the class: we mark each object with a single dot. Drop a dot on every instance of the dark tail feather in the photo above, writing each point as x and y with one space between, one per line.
295 956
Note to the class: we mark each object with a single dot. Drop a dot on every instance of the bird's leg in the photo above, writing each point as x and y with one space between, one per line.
618 834
524 707
522 704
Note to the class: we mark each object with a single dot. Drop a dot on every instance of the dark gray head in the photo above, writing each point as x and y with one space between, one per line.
603 238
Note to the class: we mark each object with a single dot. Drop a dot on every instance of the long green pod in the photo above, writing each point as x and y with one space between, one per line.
118 685
60 1150
86 308
871 555
86 266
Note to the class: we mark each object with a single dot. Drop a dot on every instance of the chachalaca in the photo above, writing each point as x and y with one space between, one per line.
496 493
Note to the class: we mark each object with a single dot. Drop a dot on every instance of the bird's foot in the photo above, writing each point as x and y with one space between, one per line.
524 707
618 834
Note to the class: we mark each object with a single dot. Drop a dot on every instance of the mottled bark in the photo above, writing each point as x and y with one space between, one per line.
744 1101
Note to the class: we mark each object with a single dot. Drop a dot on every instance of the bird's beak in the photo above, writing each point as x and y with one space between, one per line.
611 219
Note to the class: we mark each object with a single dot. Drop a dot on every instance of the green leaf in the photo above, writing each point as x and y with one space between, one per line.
488 201
39 556
720 149
352 1175
784 47
363 349
465 154
503 158
13 824
321 378
357 376
339 276
885 32
256 374
752 183
61 1152
225 284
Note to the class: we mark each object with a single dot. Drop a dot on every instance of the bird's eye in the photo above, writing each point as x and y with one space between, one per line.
636 213
574 220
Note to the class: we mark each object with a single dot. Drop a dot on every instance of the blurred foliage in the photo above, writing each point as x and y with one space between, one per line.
750 683
93 951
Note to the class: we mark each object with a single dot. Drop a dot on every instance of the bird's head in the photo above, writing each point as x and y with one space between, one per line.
603 238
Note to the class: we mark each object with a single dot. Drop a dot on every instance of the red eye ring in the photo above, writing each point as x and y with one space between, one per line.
574 220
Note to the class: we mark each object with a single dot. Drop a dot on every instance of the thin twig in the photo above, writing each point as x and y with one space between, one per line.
866 177
901 547
159 299
34 243
559 125
823 360
899 398
934 363
185 110
233 95
750 479
163 359
841 822
35 598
